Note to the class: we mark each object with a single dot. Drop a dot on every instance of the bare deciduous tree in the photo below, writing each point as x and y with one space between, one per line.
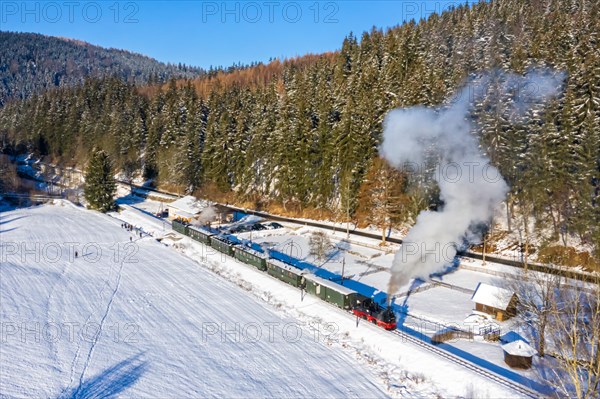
576 338
537 294
129 170
320 244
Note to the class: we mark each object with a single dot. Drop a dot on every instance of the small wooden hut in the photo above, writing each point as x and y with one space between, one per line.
518 354
498 302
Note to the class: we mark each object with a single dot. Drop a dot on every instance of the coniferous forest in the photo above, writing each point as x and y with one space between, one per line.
31 63
304 133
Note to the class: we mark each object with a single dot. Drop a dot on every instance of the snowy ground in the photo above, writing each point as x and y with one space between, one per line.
432 310
161 332
294 240
160 320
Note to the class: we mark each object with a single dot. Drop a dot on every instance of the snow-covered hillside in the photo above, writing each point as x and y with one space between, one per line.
167 326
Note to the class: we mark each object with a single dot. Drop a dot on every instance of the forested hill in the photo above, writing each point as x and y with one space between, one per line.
31 63
307 137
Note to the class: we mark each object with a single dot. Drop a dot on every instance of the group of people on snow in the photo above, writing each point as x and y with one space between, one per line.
132 228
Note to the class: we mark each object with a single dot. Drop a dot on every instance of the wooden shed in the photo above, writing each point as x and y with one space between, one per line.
518 354
501 303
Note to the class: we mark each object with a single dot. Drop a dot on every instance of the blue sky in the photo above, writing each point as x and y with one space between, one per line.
204 33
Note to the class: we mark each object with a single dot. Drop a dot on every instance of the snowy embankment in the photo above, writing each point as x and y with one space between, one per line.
141 320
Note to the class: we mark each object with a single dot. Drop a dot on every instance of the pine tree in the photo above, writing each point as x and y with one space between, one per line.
100 187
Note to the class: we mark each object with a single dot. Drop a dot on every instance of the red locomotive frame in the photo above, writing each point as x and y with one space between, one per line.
375 313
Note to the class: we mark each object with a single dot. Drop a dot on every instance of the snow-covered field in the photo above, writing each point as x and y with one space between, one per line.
172 325
364 261
140 319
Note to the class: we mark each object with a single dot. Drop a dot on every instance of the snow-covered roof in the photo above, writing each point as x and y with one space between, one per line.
202 230
254 252
285 266
330 284
493 296
225 240
519 348
187 206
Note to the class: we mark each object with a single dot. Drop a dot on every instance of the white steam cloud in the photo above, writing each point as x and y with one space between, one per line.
470 187
207 215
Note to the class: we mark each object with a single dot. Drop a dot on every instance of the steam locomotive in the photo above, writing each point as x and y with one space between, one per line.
373 312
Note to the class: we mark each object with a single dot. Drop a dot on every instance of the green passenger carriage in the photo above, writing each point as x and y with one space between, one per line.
251 257
330 291
222 244
286 273
179 226
199 234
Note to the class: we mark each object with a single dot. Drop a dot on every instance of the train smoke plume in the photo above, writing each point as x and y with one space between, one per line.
208 215
470 188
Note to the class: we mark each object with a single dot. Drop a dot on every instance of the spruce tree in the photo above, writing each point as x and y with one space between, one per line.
100 187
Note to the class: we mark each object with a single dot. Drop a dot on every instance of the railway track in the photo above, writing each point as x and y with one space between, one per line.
484 372
506 382
528 392
519 388
466 254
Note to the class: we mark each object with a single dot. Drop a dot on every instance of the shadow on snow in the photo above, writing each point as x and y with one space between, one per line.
112 381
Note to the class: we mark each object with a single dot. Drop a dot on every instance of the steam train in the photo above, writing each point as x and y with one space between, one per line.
285 268
375 313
